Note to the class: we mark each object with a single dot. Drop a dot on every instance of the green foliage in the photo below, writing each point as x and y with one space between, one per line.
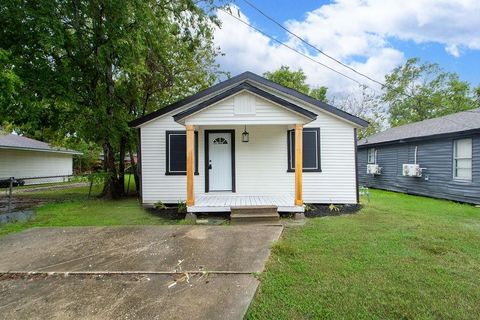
296 80
160 205
333 207
400 257
366 105
89 213
417 91
309 207
182 207
83 69
9 80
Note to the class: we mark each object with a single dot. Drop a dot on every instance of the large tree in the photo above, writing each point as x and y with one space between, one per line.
296 79
82 69
417 91
366 104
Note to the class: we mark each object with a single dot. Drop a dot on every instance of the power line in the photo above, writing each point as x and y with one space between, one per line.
316 61
311 45
293 49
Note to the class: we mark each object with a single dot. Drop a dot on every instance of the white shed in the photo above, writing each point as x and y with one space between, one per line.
244 141
22 157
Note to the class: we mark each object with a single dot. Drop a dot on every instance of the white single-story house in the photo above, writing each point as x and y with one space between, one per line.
247 141
22 157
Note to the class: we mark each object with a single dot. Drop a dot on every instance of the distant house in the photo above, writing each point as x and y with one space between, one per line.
437 157
22 157
239 143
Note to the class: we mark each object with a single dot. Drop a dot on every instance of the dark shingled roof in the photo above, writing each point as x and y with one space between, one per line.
452 123
241 78
13 141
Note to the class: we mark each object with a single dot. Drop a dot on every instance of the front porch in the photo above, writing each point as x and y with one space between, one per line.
223 202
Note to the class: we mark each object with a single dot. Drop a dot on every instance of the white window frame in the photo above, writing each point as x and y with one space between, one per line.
374 151
456 158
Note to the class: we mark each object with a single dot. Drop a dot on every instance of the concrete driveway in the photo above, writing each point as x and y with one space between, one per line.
164 272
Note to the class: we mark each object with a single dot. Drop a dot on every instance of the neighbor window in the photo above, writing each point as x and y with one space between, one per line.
462 159
371 155
176 149
311 150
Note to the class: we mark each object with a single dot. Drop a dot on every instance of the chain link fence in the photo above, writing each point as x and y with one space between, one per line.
27 192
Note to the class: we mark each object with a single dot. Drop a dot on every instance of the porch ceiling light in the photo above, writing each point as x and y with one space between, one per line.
245 137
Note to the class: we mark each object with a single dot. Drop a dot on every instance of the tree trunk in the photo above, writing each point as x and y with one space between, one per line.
134 168
121 164
112 188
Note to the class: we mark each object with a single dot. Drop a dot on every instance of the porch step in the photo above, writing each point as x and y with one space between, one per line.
254 214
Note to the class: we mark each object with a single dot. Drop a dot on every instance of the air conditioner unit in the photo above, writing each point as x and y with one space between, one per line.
412 170
374 169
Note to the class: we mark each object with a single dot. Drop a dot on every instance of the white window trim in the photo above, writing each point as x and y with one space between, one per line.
455 158
374 156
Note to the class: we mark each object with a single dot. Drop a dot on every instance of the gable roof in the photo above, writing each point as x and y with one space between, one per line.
243 77
13 141
247 87
452 123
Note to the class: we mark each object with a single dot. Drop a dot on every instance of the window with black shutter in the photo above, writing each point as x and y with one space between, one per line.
311 150
177 152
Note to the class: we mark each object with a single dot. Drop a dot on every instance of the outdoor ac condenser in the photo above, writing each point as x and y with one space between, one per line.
412 170
374 169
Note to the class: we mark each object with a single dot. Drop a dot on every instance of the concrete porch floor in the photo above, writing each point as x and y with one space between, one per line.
222 202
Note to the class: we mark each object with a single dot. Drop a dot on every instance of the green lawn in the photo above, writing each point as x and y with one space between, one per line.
401 257
89 213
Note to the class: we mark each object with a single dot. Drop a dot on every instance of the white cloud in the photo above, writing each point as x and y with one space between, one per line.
356 32
453 50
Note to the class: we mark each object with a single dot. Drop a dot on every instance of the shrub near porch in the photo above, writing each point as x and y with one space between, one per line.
401 256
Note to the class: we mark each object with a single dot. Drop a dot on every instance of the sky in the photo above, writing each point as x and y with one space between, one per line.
372 36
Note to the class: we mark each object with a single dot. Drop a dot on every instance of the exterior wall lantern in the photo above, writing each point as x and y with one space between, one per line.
245 135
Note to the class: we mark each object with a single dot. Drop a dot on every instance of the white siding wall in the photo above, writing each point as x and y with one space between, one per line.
261 164
229 111
26 164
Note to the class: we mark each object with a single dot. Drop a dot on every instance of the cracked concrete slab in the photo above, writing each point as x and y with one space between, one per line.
236 250
126 297
139 248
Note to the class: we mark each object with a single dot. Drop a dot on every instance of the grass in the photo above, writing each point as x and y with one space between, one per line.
89 213
70 207
401 256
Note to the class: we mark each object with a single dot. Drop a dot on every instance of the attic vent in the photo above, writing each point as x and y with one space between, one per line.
244 103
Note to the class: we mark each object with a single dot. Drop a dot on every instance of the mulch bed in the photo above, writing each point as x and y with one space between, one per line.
168 213
320 210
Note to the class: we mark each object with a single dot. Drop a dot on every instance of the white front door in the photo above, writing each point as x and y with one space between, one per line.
220 161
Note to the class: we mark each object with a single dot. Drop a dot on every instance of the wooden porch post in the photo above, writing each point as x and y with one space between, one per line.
298 164
190 164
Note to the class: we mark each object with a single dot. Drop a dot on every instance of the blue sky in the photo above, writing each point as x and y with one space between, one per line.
373 36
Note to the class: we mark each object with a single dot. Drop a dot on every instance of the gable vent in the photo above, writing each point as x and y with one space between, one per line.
244 103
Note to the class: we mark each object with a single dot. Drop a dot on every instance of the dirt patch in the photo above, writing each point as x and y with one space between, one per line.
19 203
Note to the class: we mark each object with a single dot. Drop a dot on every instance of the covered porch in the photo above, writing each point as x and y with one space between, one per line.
242 170
218 202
